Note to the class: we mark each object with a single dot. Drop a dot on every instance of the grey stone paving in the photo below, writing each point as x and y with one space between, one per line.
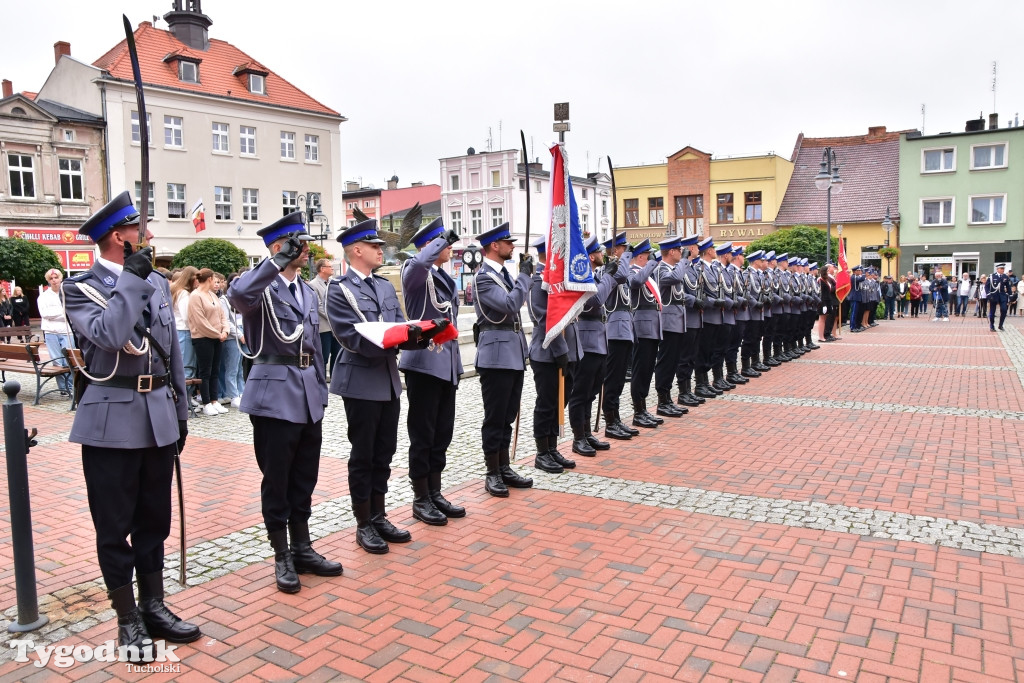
875 407
929 366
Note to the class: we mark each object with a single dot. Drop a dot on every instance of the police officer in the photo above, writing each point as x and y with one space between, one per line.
743 303
131 419
647 328
757 301
713 329
772 310
999 288
431 375
669 276
501 354
592 329
723 253
619 309
285 395
694 319
813 289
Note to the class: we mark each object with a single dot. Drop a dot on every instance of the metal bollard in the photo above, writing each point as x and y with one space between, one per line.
18 441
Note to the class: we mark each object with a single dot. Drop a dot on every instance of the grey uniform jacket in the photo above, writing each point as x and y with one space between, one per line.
691 285
116 417
646 311
619 304
320 287
495 304
364 371
739 292
567 343
285 392
752 280
446 364
673 299
786 290
728 293
709 280
593 323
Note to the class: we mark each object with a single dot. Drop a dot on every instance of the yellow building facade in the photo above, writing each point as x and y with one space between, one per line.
638 192
745 196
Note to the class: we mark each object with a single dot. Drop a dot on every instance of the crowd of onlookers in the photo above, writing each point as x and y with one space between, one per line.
960 297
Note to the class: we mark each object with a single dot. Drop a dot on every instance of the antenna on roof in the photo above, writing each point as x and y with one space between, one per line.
994 83
922 119
155 19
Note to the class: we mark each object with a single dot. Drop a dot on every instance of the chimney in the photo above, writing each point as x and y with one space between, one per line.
351 186
418 183
61 48
876 132
974 125
8 88
993 121
393 182
188 24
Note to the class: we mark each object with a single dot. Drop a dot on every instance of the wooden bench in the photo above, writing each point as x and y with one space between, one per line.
23 332
77 362
25 358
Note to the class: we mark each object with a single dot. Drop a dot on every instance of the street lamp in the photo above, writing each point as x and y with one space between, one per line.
887 225
826 180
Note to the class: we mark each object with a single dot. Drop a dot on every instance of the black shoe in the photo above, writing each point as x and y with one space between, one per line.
1000 328
565 462
991 328
509 476
596 443
872 324
688 400
544 461
750 372
705 391
653 418
583 447
304 558
423 506
379 519
640 420
366 534
614 431
670 410
434 490
760 367
770 362
131 630
626 428
736 378
829 339
284 568
160 622
722 385
493 483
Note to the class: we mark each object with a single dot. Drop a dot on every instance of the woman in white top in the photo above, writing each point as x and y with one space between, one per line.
965 294
182 286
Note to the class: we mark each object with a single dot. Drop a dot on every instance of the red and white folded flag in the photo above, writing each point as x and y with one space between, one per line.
390 335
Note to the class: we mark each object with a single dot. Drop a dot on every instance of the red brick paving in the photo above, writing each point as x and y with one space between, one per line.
551 586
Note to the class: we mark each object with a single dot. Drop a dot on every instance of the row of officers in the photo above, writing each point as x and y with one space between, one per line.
694 312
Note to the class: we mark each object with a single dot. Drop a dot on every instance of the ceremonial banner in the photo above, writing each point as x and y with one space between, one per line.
390 335
567 276
842 274
198 216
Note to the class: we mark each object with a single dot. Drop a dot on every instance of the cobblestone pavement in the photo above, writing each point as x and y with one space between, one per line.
850 515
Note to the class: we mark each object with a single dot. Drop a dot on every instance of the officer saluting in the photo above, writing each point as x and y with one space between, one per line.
431 375
285 395
131 419
999 289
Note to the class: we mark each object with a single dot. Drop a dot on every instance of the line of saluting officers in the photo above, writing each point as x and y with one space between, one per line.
677 319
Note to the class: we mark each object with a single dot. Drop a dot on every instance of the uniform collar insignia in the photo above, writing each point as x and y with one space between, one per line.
109 281
275 284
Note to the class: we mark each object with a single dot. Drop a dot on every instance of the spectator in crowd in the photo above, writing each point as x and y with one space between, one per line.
903 296
19 302
6 311
889 290
330 346
954 292
229 378
916 292
182 286
1020 292
926 294
1013 279
981 294
963 295
829 304
56 333
208 329
1014 295
940 293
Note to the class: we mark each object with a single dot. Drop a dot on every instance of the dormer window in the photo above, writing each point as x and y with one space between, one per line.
257 84
188 72
254 75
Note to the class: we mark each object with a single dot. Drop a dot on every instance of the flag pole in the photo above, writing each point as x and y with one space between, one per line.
522 257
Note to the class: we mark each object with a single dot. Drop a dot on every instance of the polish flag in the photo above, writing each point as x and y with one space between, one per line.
842 274
198 216
390 335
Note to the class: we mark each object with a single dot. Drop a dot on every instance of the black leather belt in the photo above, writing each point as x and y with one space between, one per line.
601 318
647 307
512 327
303 360
141 383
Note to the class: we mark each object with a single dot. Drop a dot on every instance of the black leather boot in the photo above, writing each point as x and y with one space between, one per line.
625 427
758 365
614 429
748 369
434 490
580 444
686 397
304 558
162 623
720 384
557 456
423 505
594 442
388 531
131 630
704 389
493 483
366 533
641 418
667 408
508 475
543 460
284 567
734 375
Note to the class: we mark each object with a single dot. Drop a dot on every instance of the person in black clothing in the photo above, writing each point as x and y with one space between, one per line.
20 305
889 295
829 301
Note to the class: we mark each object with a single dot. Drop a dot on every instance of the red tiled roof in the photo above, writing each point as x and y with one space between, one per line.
216 72
869 167
30 95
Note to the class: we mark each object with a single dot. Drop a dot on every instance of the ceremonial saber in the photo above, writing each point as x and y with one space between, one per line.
615 227
522 257
140 100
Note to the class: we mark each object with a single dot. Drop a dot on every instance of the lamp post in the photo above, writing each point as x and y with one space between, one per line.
887 225
828 178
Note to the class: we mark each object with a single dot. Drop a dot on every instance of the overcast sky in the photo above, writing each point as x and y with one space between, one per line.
423 80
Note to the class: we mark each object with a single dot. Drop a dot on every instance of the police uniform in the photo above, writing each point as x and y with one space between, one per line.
131 423
713 329
856 298
727 301
619 310
694 305
647 329
673 321
500 360
757 300
999 288
285 395
431 375
741 313
772 310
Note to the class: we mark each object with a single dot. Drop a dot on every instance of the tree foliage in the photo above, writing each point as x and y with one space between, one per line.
26 262
316 252
800 240
218 255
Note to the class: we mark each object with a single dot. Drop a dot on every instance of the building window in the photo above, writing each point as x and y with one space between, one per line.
725 214
604 208
247 140
495 178
313 203
583 192
752 206
938 160
257 84
453 182
456 221
23 183
656 210
1003 257
988 156
632 212
250 204
351 205
689 214
937 212
222 203
585 223
496 217
536 187
151 209
313 148
175 200
220 137
71 179
289 201
988 209
368 204
136 135
188 72
287 145
173 132
476 220
522 183
69 135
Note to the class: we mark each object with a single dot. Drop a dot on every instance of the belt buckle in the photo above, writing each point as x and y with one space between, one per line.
516 326
145 384
304 360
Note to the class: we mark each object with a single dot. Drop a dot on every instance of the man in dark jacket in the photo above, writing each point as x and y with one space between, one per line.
940 292
889 295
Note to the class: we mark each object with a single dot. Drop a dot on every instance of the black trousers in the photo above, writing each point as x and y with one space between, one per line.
710 338
373 433
208 361
752 334
667 363
736 340
288 454
830 321
644 357
687 356
545 410
331 349
129 493
501 392
768 336
430 421
1002 301
725 333
586 385
620 352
